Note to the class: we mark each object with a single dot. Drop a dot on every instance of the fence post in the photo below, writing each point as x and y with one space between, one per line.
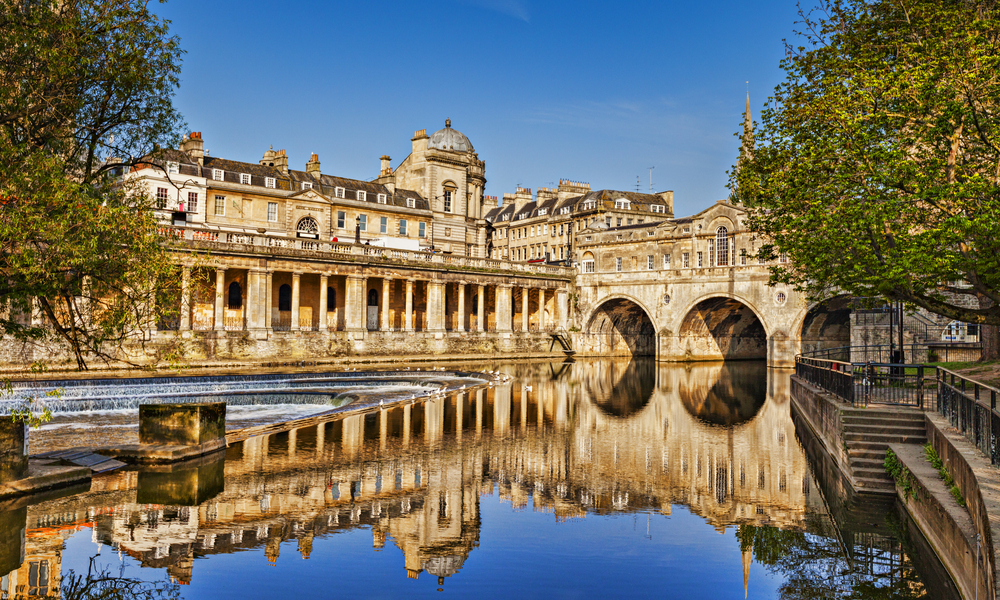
920 387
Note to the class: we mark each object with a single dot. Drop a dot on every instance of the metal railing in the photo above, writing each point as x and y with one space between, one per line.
863 384
914 353
833 376
971 407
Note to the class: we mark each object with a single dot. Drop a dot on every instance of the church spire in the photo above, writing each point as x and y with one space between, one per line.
747 561
746 148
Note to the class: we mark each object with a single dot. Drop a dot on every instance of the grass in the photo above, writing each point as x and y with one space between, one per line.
949 481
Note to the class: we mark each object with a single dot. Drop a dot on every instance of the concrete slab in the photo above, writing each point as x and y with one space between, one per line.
42 476
161 453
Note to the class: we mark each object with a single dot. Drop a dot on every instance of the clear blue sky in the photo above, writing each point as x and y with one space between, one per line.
589 91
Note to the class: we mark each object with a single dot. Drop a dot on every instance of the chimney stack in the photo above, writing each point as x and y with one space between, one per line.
193 146
281 161
312 167
386 168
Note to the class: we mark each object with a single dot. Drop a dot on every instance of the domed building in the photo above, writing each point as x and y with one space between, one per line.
445 169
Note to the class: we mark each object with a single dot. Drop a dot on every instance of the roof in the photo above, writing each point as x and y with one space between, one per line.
450 139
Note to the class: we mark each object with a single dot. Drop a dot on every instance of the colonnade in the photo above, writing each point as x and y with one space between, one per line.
267 300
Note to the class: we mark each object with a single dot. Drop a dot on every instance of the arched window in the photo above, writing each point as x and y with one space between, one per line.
235 296
475 304
285 297
722 247
331 299
372 298
308 225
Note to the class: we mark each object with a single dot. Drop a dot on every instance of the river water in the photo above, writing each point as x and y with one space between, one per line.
599 478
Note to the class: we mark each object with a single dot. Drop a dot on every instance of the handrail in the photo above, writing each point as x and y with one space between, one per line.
976 416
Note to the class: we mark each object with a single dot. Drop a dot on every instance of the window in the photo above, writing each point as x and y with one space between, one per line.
687 230
382 199
192 202
383 226
220 205
308 225
422 229
618 222
628 222
649 262
618 263
447 201
701 261
361 195
173 168
364 222
402 227
341 219
722 247
272 211
542 212
743 256
532 228
783 257
658 208
269 182
338 192
235 296
622 203
245 178
307 185
161 197
666 261
560 230
218 174
331 299
411 203
686 260
285 297
608 221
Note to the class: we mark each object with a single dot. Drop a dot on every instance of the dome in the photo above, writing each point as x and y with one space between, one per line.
450 139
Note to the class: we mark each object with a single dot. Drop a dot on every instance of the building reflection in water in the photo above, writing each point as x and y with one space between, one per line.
589 437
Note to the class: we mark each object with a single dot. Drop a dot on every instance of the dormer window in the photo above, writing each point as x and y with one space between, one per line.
338 192
543 212
411 203
687 230
173 168
245 178
623 204
658 208
361 196
307 185
269 182
382 199
218 174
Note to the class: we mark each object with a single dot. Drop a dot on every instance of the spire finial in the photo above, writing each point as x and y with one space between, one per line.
447 123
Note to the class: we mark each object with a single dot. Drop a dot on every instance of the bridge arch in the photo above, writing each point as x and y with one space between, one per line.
720 327
825 324
620 326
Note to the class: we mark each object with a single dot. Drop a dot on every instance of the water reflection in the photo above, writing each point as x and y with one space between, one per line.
592 438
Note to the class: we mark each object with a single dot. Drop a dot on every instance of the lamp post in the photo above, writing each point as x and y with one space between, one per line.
357 229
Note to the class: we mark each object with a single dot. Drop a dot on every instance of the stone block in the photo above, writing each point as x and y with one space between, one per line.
183 484
12 529
182 424
13 450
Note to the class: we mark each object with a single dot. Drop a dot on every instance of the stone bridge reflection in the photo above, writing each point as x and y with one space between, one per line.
569 439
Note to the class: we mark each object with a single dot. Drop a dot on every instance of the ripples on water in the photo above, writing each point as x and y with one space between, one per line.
597 479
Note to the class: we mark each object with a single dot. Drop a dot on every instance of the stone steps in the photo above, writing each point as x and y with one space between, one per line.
868 434
893 429
865 440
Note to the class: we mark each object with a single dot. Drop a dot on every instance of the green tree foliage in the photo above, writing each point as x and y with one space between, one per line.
88 89
876 164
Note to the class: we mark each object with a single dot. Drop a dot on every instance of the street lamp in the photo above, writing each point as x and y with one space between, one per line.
357 229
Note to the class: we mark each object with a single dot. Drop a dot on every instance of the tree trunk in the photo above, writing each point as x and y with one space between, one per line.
989 335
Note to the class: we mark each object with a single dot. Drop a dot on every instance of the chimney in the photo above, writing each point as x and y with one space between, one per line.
668 199
193 146
312 167
281 161
419 140
386 168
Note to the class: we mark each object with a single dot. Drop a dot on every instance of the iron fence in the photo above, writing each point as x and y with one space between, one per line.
971 407
833 376
862 384
913 353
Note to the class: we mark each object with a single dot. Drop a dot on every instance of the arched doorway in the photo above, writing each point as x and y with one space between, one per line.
722 329
620 327
372 315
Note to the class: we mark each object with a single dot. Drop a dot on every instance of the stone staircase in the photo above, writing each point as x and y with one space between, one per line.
868 433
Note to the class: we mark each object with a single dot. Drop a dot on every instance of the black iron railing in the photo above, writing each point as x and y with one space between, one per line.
971 407
862 384
833 376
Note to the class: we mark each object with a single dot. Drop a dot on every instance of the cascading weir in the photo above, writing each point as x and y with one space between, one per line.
620 327
722 329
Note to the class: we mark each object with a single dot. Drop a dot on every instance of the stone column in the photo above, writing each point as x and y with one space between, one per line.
524 310
220 293
296 282
386 287
323 298
268 299
185 298
408 323
541 310
255 309
504 307
562 310
435 306
481 319
355 302
460 326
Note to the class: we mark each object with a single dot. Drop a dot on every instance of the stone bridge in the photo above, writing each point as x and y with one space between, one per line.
686 290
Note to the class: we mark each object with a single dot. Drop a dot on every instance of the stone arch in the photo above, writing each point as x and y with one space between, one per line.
825 324
727 394
621 326
722 327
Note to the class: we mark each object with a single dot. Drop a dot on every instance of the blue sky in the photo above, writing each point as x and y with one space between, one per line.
588 91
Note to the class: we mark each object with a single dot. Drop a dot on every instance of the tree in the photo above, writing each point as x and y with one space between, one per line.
87 93
876 164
